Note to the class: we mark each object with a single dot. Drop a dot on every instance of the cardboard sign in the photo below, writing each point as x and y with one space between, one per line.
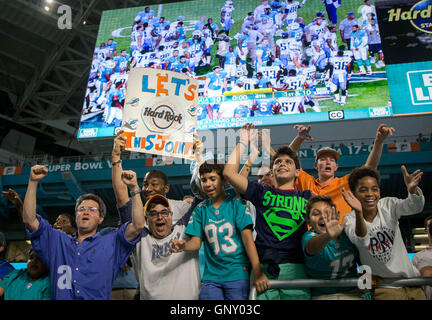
160 112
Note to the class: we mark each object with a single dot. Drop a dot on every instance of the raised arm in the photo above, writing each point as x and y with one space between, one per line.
302 135
138 219
231 173
37 173
15 199
382 133
253 155
412 180
120 189
266 142
354 203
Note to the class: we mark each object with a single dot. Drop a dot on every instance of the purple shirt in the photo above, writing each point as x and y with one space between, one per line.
81 271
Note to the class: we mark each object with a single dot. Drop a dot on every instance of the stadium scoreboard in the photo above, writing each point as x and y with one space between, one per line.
262 88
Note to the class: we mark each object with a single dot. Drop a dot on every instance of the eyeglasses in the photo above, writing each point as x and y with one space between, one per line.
84 208
153 213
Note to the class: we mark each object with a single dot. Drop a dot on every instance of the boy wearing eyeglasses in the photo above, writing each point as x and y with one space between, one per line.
163 276
224 224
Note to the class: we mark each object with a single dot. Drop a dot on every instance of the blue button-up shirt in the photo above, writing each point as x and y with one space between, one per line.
81 271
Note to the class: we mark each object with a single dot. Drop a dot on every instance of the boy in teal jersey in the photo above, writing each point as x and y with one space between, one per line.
329 254
224 224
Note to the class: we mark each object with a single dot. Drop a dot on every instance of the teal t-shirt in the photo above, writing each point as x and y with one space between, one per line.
337 260
220 231
18 285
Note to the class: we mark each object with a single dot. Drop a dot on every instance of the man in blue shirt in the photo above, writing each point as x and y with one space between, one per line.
82 266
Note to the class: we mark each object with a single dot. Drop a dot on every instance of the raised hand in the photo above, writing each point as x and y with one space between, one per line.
198 148
352 201
177 246
119 143
38 172
266 140
411 180
331 221
245 133
303 131
383 132
255 135
129 178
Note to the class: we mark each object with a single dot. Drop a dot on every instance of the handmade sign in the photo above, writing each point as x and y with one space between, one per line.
160 112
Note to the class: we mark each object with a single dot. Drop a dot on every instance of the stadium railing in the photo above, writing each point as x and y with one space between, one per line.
347 282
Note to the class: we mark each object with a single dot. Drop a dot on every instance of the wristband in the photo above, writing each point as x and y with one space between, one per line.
116 162
135 192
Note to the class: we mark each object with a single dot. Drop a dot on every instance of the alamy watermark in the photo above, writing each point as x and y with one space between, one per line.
65 19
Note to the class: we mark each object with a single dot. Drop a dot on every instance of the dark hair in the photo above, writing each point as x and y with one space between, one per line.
91 196
426 221
156 174
285 150
359 173
2 240
315 199
208 167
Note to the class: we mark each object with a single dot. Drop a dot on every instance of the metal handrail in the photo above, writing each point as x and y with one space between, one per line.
347 282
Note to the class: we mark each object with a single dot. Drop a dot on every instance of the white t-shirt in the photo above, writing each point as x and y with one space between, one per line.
424 259
163 276
179 209
383 248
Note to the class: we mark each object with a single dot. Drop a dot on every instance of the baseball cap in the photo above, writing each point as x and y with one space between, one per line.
327 150
216 67
156 197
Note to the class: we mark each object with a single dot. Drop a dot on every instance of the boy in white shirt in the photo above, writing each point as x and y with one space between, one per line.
373 226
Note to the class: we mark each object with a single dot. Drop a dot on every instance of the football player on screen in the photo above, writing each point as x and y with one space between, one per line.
359 47
339 76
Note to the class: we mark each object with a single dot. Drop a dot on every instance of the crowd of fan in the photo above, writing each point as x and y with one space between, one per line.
286 225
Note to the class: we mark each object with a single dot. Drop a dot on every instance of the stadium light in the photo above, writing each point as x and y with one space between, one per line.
47 8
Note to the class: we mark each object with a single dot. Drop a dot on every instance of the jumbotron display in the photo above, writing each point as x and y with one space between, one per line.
265 62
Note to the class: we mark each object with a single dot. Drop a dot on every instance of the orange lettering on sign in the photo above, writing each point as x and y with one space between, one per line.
160 88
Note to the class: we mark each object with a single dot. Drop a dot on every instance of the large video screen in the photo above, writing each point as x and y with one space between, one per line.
265 62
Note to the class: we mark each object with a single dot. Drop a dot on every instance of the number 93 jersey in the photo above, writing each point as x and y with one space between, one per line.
220 231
